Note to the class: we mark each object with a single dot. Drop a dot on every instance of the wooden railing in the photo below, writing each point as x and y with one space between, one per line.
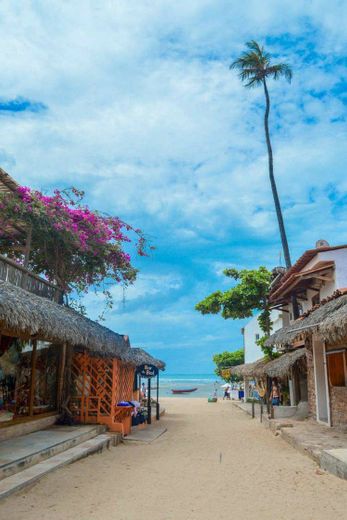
18 275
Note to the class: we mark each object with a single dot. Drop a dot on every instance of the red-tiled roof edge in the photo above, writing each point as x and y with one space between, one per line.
302 261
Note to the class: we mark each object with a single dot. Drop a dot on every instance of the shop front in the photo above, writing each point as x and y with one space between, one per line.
29 379
38 339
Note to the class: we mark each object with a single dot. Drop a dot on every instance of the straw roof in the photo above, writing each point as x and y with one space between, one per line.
329 321
7 183
140 357
8 186
249 369
282 365
27 315
278 367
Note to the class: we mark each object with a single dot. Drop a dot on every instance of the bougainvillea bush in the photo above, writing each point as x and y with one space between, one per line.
70 245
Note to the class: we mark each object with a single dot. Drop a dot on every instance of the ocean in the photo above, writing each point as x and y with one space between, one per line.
203 382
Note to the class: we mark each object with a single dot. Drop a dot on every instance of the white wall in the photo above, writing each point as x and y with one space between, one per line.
252 350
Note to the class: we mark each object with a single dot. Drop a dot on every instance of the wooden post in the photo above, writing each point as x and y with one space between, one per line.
116 381
253 410
149 406
27 256
61 373
27 247
158 408
261 411
32 382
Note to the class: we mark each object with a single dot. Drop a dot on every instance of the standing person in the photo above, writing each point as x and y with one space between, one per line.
143 391
215 390
275 395
227 391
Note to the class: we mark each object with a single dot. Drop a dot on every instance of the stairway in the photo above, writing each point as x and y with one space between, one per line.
24 460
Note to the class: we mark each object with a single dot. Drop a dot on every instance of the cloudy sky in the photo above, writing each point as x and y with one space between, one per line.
133 102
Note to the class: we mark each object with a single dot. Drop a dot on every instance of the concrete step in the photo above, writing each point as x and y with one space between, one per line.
22 452
335 461
31 475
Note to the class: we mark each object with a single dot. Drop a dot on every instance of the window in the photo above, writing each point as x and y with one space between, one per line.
315 300
257 337
337 368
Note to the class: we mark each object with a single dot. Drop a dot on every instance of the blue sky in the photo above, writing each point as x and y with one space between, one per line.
134 103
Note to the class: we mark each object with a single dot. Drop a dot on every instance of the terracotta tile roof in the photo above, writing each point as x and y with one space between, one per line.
317 268
304 259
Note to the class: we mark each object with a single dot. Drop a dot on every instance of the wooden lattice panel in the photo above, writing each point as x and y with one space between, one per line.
127 377
98 385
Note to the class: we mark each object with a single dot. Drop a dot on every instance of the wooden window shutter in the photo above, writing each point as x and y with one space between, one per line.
336 369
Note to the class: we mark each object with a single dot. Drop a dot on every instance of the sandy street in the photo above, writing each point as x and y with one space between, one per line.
213 463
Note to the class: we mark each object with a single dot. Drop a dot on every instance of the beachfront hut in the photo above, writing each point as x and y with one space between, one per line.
249 372
52 358
290 368
323 331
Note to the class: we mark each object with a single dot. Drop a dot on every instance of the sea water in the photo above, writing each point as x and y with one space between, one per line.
205 384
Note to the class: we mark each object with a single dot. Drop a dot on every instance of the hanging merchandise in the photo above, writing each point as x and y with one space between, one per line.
7 366
225 373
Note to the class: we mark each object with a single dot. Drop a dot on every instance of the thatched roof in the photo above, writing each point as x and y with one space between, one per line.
7 183
329 321
248 369
138 356
9 187
278 367
27 315
281 366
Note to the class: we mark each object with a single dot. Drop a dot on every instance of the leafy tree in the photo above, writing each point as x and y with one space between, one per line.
71 245
228 359
241 300
255 67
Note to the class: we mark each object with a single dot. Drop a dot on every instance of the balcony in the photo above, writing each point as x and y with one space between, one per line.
18 275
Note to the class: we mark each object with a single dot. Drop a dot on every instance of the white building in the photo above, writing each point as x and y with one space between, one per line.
317 278
252 332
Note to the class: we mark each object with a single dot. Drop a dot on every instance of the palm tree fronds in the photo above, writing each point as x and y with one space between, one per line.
255 65
282 69
255 47
254 82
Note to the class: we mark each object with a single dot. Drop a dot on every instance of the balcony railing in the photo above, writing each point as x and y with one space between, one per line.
18 275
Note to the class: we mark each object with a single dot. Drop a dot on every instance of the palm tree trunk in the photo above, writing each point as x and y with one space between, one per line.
275 196
273 183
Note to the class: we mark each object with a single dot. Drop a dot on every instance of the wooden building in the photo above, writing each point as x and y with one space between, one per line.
45 348
289 368
53 360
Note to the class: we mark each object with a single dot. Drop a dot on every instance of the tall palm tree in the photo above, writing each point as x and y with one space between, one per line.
255 68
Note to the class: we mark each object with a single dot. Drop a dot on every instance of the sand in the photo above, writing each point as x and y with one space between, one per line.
214 462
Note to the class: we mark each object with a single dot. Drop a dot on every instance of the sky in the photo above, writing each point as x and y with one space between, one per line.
134 103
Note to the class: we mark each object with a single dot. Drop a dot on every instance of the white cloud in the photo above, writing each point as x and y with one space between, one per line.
145 115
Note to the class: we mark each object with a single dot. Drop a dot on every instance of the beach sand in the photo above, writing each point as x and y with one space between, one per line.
214 462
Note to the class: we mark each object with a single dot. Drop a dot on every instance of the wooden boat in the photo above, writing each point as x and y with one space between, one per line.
183 391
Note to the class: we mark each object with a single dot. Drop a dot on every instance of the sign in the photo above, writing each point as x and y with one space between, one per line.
147 371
